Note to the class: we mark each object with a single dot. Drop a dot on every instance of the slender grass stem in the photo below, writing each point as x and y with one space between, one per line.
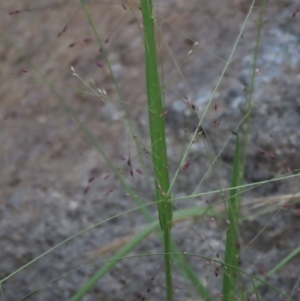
229 277
158 139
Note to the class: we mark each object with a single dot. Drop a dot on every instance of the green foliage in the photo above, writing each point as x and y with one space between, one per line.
162 184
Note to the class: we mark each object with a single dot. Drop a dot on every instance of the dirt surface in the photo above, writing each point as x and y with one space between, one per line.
47 162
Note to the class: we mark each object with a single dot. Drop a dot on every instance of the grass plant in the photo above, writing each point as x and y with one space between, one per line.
228 206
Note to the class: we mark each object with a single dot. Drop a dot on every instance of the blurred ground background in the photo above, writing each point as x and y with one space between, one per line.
46 161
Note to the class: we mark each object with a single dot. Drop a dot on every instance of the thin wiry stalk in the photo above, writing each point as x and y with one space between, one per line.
250 94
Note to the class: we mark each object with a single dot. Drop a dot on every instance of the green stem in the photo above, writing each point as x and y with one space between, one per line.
158 139
229 281
250 95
